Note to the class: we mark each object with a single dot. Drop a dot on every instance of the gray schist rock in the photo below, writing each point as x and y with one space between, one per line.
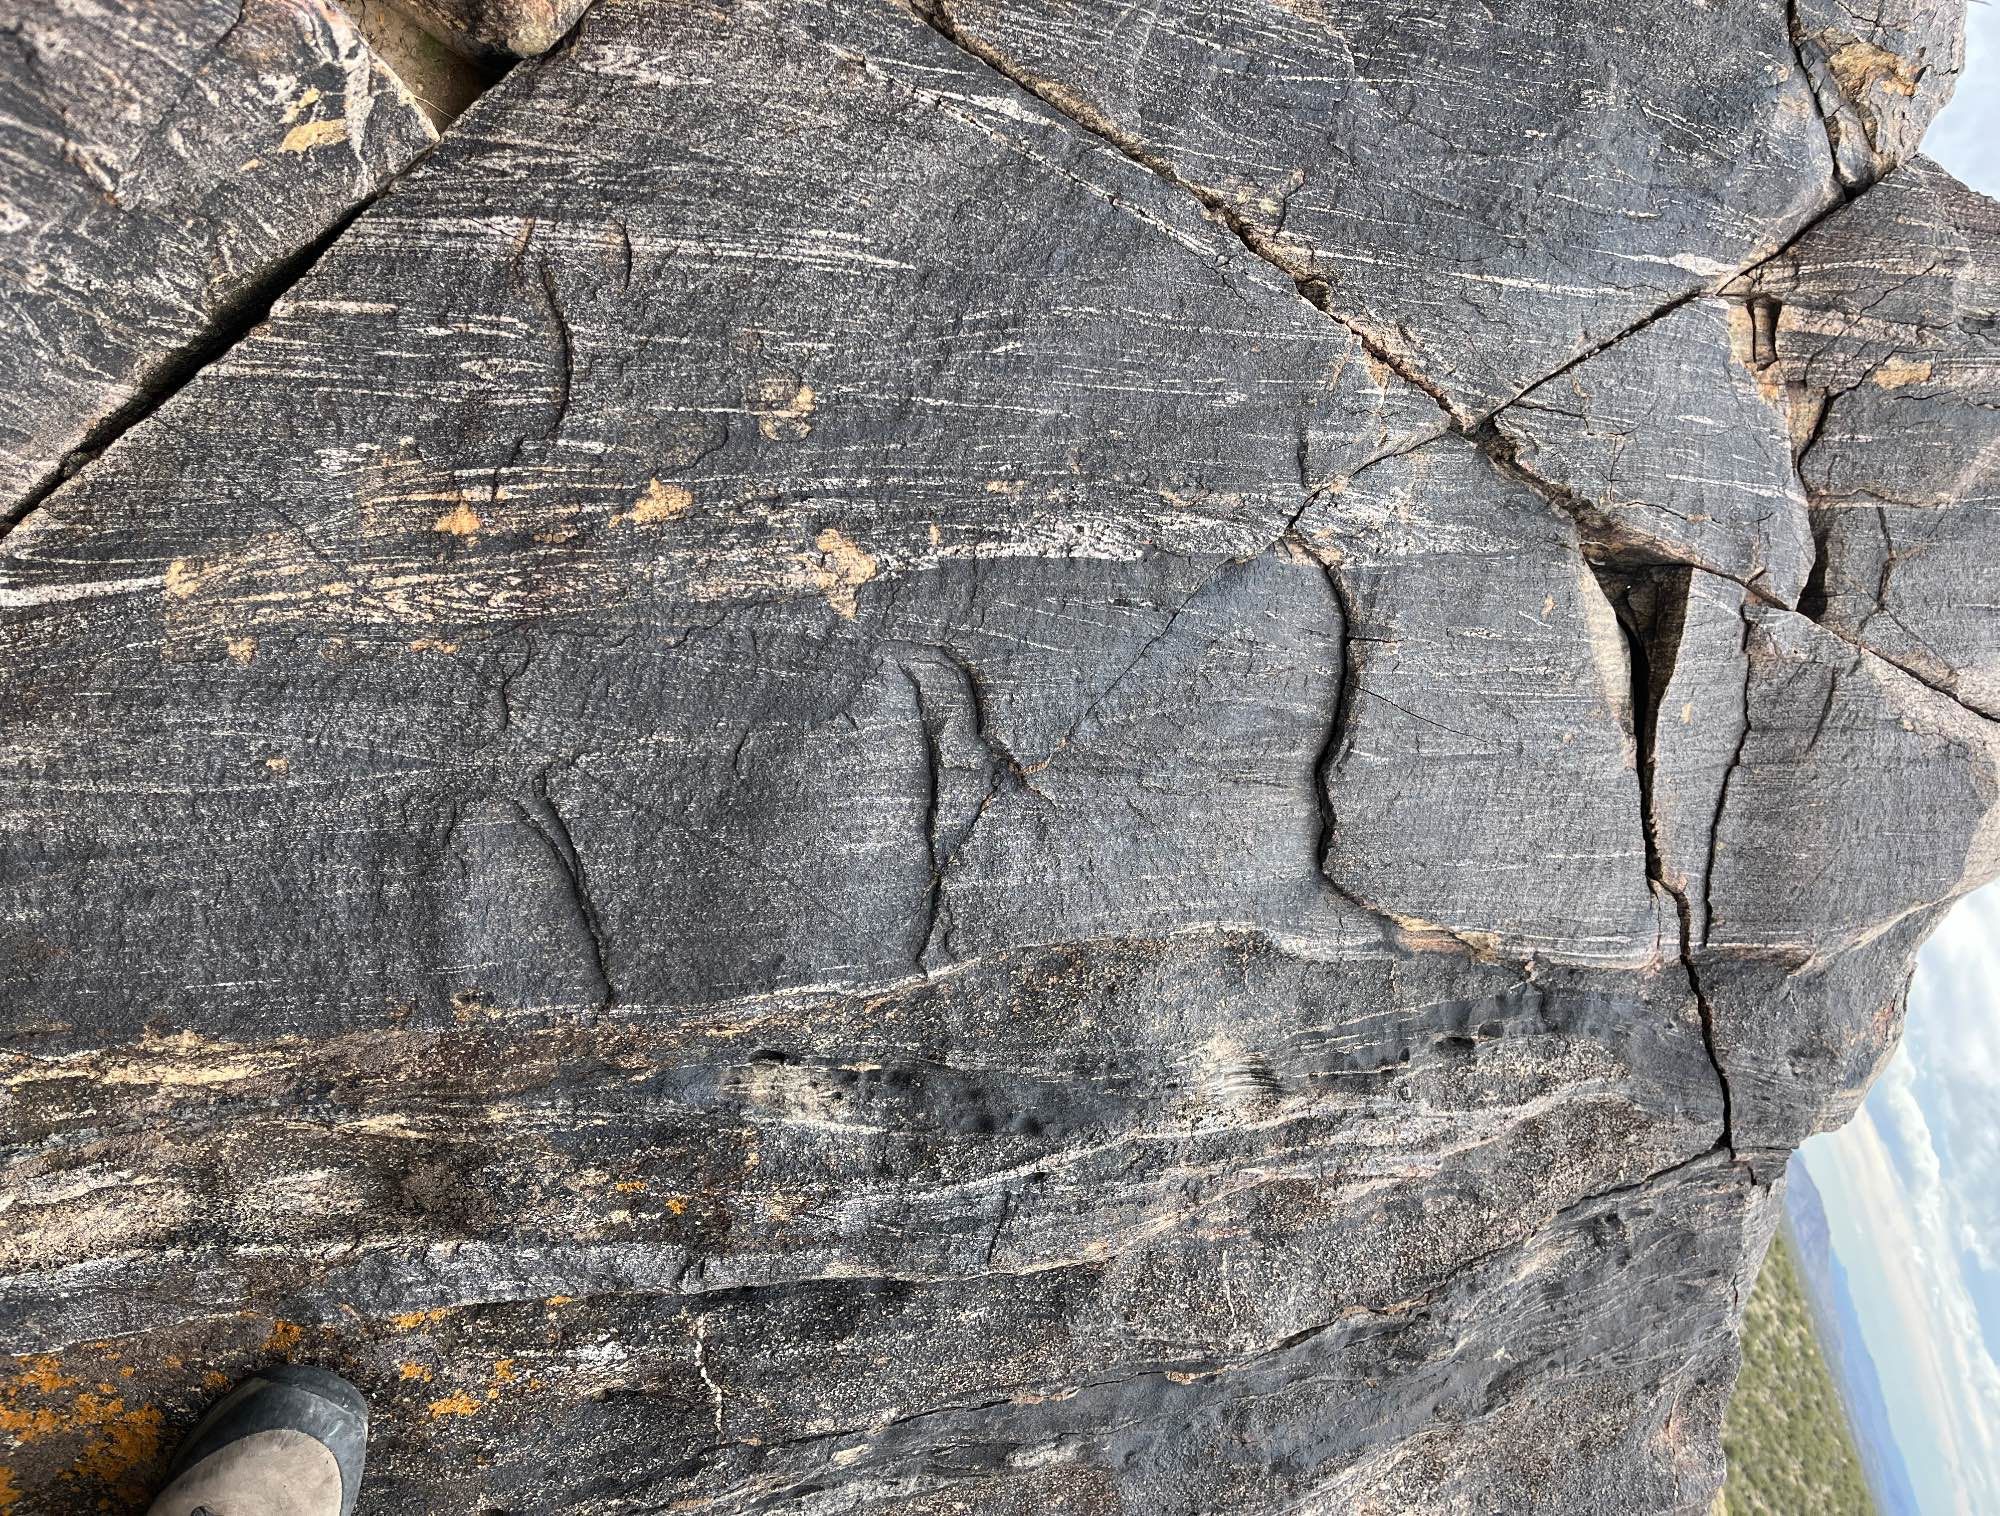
830 785
1864 767
1483 782
1488 192
163 161
1816 807
1878 74
1885 335
1675 444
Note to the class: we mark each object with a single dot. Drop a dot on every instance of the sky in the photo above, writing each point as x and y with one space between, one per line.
1962 138
1912 1184
1912 1192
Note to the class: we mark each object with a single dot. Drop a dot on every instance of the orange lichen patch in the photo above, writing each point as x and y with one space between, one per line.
416 1371
409 1321
1897 372
676 1205
38 1376
842 568
44 1373
215 1379
657 503
503 1370
460 521
127 1445
308 135
284 1337
561 1299
242 650
629 1186
120 1440
458 1403
25 1424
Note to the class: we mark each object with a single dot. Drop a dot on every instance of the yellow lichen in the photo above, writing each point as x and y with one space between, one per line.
126 1444
458 1403
44 1373
183 579
1897 372
1859 65
657 503
308 135
842 568
460 521
25 1424
783 404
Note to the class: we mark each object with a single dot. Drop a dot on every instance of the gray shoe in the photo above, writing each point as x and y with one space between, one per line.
287 1441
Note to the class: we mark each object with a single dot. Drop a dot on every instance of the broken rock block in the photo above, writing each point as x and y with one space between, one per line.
168 168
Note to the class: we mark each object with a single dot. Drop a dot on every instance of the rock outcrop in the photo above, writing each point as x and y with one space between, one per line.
975 756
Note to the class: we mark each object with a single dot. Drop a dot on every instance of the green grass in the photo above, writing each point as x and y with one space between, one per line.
1790 1451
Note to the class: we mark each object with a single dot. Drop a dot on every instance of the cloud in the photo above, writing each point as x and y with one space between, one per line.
1913 1185
1917 1315
1962 136
1950 1071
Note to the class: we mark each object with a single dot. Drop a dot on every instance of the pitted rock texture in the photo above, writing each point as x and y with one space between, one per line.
1004 759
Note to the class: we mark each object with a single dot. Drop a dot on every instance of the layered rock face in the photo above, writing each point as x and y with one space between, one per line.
988 757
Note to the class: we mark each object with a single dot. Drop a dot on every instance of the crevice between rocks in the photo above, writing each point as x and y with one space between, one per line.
1478 428
235 319
1313 289
1651 604
1796 32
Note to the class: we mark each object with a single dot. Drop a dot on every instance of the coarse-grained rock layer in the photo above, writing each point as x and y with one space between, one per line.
975 757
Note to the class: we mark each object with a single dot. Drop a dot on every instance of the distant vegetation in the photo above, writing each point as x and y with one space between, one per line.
1790 1452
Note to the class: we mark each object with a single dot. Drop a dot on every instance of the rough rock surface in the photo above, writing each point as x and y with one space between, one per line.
1007 759
161 165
